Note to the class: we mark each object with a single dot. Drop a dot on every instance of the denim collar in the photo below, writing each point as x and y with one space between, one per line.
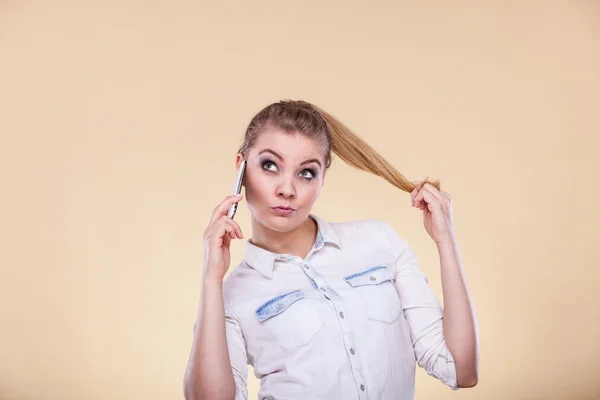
263 260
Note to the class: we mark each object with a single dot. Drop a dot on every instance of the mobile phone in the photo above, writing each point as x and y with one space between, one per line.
237 187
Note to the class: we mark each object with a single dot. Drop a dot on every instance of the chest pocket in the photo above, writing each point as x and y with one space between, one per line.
376 288
291 319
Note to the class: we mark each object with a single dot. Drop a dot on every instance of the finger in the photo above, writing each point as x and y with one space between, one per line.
432 189
432 201
418 185
219 234
226 241
227 226
235 233
425 196
237 229
446 195
220 240
222 208
418 198
222 228
429 187
442 197
414 192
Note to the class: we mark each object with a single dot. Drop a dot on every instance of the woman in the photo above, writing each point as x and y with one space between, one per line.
324 310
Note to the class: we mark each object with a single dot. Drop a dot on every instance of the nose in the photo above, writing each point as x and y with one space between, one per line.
286 189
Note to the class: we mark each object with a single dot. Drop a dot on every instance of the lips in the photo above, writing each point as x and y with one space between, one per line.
283 210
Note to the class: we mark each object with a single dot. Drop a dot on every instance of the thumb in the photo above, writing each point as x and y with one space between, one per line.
226 241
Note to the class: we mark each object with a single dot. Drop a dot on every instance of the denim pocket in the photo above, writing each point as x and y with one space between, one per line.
378 292
291 319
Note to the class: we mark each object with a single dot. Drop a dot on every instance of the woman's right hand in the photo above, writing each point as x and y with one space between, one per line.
217 238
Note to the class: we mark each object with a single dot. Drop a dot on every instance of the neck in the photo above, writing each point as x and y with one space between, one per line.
297 242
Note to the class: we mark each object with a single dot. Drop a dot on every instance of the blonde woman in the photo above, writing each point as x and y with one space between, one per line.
324 310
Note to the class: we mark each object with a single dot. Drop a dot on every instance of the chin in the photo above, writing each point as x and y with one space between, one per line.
279 223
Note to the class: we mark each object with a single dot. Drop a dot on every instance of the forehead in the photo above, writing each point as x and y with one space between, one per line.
293 146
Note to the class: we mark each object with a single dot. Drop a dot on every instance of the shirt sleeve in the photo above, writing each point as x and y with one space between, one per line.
237 351
422 310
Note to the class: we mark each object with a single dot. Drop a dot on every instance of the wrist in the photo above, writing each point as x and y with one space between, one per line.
211 290
212 281
446 244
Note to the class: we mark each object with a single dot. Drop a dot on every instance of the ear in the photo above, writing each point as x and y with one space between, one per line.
238 160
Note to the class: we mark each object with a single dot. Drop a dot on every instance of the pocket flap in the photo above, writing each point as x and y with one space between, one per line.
278 305
371 276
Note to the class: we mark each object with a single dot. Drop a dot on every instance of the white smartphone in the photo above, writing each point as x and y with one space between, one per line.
237 187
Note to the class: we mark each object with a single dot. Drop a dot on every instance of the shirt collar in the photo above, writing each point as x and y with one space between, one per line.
263 260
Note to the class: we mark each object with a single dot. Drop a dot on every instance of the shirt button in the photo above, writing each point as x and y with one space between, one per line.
373 278
341 314
362 387
306 266
352 351
278 305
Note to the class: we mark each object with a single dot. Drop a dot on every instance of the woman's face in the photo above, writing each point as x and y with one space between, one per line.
283 178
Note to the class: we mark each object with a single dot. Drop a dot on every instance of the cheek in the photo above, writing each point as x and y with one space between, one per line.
310 193
255 186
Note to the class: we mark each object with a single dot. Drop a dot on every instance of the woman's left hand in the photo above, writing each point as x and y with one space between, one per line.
437 211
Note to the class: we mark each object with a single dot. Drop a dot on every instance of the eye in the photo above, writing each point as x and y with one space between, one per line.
308 174
268 165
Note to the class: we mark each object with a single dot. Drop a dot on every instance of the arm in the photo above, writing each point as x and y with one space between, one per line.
217 367
424 315
460 326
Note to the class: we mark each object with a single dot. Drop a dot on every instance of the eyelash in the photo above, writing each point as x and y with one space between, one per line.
266 162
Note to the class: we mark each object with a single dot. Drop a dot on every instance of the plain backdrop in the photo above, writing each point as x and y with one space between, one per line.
120 121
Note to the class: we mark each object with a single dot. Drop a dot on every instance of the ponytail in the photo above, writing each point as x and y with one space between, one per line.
301 116
357 153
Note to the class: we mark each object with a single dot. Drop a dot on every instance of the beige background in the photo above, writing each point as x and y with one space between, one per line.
120 121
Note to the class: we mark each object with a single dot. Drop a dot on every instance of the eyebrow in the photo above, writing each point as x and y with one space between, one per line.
277 155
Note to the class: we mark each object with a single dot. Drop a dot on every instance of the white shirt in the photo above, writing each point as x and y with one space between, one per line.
349 321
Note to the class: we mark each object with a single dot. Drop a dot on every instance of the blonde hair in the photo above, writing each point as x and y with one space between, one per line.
316 123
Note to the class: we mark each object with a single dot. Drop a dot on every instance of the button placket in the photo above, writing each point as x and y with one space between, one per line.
339 306
309 271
